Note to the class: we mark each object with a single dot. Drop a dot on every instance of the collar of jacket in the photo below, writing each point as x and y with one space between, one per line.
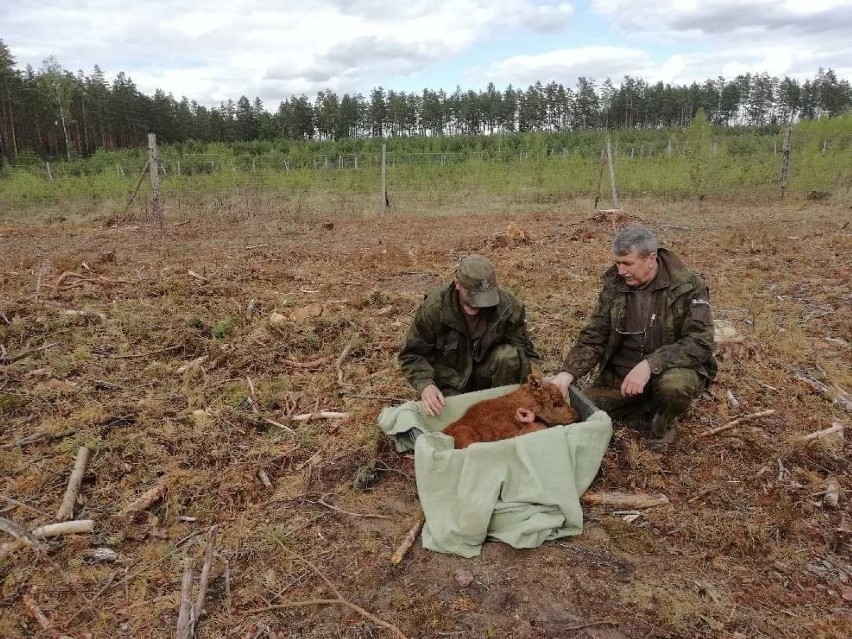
673 272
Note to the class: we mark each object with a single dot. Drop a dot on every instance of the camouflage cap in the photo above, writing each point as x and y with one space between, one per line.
477 276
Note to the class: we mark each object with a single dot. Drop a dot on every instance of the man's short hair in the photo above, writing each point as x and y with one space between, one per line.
635 238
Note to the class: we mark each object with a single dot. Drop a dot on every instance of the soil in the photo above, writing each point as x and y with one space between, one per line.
166 376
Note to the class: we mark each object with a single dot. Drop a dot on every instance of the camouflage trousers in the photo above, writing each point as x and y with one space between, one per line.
668 394
503 365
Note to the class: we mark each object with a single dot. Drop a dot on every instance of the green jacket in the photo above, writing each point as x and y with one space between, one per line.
438 350
681 335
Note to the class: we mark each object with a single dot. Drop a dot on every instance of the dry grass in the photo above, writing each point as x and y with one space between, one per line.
744 549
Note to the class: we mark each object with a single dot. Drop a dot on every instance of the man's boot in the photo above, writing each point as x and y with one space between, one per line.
662 432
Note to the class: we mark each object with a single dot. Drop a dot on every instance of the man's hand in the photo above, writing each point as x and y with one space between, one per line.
433 400
563 381
636 379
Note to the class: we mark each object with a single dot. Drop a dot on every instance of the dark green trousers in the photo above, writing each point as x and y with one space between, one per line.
503 365
670 393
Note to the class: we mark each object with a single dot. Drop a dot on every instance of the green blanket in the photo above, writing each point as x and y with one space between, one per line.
522 491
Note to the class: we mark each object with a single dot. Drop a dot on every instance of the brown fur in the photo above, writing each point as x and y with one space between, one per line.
534 406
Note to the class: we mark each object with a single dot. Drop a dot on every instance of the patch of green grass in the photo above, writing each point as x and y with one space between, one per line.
223 327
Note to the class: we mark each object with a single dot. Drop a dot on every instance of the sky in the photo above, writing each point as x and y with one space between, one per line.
212 50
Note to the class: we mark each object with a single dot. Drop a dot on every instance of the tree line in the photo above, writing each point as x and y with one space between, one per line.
52 112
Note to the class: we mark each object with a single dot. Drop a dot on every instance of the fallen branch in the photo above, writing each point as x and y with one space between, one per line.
380 398
159 350
733 401
252 396
200 278
50 530
66 509
835 395
40 618
832 492
21 534
205 574
736 422
835 428
338 364
348 512
185 611
145 499
320 414
407 542
339 599
30 439
32 351
187 365
281 426
264 478
618 499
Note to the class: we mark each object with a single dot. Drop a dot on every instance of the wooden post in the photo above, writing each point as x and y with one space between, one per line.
253 167
785 158
384 202
356 161
154 172
600 177
49 174
611 174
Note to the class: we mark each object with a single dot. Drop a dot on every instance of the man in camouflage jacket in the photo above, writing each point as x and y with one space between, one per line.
466 336
651 336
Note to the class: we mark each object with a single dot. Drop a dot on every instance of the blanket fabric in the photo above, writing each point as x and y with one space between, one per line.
522 491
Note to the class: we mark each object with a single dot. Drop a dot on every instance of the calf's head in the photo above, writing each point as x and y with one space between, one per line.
547 402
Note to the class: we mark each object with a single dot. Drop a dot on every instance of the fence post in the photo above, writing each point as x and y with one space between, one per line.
611 174
154 172
384 202
49 174
785 158
356 161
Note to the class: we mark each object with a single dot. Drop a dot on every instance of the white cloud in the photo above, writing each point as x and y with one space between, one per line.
566 65
212 50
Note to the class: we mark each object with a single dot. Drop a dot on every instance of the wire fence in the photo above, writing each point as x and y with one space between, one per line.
472 181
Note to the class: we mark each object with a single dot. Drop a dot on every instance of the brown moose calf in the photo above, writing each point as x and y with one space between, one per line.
536 405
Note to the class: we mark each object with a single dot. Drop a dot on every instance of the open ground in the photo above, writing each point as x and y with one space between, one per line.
179 357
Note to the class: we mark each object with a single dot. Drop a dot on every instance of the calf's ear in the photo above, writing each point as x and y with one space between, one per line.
534 381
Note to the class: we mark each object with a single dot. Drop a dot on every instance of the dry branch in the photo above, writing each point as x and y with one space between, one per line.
282 426
185 612
205 574
159 350
145 499
66 509
407 542
264 478
190 364
618 499
320 414
832 492
835 395
338 364
20 356
21 534
736 422
835 428
40 618
349 512
50 530
200 278
252 396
